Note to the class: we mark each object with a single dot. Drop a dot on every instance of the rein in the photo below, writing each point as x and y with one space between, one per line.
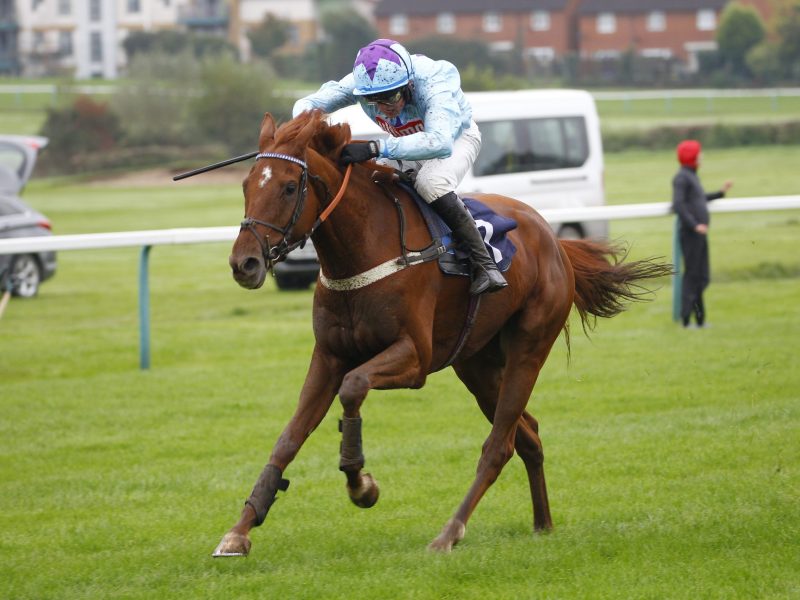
278 252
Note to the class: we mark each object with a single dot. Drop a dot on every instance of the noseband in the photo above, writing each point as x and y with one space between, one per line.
280 250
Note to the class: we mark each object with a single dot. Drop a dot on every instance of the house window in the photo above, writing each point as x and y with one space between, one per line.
706 20
38 40
293 35
134 6
65 43
492 22
446 23
606 23
96 47
398 25
95 13
656 21
543 54
64 7
35 4
663 53
540 20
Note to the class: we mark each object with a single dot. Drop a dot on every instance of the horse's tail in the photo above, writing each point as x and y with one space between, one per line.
604 282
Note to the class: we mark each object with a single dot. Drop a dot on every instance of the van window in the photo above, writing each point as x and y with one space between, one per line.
521 145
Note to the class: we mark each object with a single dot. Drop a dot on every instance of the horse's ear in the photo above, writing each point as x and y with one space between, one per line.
267 131
308 124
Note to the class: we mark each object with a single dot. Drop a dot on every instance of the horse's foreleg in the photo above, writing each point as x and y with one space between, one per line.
398 366
315 400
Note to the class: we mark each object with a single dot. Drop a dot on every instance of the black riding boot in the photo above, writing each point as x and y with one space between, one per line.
485 275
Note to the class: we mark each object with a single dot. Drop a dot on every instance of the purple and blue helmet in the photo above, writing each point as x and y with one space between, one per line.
381 66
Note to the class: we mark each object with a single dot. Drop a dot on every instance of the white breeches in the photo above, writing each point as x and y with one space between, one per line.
439 176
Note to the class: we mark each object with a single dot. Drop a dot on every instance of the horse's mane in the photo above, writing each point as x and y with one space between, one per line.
325 139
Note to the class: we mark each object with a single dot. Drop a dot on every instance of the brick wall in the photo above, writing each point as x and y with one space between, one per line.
632 33
514 27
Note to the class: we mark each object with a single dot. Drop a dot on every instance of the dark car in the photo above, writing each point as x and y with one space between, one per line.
298 270
21 273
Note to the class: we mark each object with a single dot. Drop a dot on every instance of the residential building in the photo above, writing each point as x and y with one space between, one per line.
9 33
84 37
540 28
651 28
302 16
550 29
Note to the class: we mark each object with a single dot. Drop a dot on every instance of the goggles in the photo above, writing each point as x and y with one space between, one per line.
390 97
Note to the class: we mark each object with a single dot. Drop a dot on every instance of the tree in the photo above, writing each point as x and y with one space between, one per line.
269 35
154 98
232 101
788 30
146 42
84 126
764 63
170 41
462 53
740 29
346 32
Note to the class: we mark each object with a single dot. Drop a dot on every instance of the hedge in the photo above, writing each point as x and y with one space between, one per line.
711 136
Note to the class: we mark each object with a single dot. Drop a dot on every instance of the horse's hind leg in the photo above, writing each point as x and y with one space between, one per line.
482 376
529 448
526 346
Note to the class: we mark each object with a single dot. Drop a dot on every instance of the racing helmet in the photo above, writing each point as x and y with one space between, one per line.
381 66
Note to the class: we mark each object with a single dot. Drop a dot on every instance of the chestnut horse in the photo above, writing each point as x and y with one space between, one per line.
386 327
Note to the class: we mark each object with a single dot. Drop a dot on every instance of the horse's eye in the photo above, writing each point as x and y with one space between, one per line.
290 189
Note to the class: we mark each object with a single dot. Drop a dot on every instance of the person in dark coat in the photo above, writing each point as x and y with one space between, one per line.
690 203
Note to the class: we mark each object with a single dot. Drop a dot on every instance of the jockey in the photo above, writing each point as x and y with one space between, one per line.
419 102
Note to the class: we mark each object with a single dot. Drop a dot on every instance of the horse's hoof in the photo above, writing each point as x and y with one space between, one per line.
233 544
366 495
452 533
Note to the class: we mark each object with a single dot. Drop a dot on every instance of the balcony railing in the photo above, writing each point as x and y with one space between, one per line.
204 15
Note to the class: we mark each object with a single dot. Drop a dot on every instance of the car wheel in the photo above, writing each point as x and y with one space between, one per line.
570 232
25 276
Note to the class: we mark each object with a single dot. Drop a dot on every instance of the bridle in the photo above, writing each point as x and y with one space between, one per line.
279 251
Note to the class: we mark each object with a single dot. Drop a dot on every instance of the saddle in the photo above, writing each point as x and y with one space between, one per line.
493 227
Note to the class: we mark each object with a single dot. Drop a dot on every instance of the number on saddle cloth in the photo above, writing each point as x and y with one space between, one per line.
493 229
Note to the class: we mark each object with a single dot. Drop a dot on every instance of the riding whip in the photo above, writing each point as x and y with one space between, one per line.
224 163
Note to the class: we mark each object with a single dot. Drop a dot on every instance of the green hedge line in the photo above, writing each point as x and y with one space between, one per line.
711 136
175 158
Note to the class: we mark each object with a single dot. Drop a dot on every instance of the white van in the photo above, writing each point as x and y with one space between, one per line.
542 147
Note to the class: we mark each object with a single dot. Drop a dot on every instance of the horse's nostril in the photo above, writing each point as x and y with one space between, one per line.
245 266
250 265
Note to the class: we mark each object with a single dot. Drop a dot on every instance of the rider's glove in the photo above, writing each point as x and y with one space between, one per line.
359 152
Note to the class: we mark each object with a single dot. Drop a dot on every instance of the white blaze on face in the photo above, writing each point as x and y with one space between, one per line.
266 175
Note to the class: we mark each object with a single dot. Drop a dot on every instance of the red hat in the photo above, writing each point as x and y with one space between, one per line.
688 151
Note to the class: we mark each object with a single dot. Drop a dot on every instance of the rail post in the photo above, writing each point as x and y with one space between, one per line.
144 309
677 281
